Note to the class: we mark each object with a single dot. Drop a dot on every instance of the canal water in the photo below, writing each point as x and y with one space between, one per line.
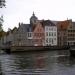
37 63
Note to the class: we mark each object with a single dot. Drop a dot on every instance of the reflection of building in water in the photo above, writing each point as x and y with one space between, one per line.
0 69
40 62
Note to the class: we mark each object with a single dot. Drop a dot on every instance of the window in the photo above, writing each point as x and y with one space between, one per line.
54 38
46 33
55 29
49 28
46 40
49 40
46 28
52 29
49 34
29 34
54 33
52 41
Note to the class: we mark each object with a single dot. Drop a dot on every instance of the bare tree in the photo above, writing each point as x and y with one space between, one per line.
2 3
1 22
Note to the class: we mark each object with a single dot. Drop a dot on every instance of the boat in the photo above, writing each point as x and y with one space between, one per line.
72 51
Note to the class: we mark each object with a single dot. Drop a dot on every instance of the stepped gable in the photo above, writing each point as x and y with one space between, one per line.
63 24
34 26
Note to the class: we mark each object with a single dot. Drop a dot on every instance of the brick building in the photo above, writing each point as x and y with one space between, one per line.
62 27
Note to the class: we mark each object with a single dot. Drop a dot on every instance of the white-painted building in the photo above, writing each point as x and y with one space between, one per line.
50 33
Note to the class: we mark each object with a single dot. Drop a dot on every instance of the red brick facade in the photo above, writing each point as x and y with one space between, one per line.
38 35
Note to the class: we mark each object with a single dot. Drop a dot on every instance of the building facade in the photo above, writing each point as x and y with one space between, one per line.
22 36
38 34
50 33
71 33
62 27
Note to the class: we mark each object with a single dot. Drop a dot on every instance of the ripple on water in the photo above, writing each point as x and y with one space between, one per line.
39 63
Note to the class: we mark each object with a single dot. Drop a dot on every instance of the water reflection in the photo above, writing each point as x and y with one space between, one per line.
1 69
38 63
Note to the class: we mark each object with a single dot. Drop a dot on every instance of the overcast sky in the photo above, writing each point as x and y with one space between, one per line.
21 10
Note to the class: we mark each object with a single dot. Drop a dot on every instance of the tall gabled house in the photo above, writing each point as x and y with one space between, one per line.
71 33
38 34
62 27
50 30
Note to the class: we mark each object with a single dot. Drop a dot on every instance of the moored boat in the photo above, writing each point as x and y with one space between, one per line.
72 51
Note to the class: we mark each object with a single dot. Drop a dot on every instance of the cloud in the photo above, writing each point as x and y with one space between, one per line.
21 10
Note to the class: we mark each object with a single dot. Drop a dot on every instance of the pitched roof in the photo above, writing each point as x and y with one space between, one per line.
63 24
24 27
34 26
48 23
